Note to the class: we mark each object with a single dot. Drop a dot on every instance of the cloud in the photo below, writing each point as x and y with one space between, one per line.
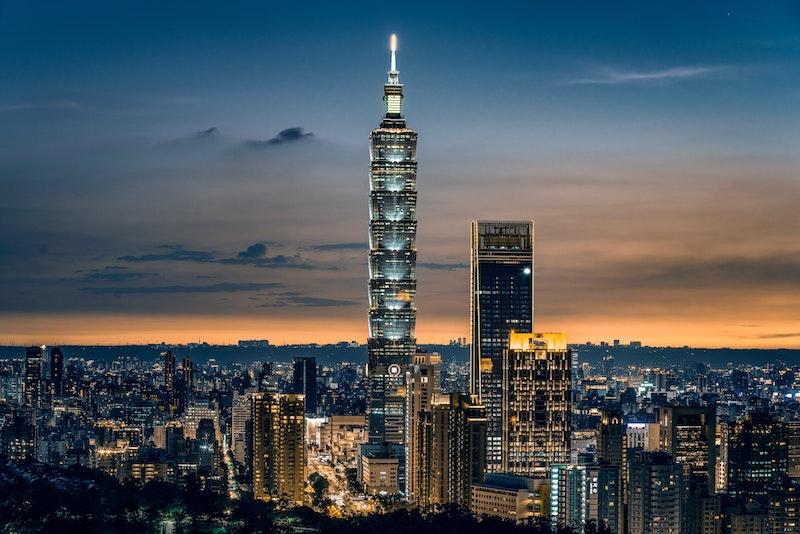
256 250
208 133
174 253
222 287
442 266
255 255
289 135
672 74
339 246
33 106
115 274
780 335
296 299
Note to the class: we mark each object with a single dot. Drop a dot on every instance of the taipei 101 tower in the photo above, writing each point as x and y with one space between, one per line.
392 279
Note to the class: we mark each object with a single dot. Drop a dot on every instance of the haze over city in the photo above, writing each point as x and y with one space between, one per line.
179 174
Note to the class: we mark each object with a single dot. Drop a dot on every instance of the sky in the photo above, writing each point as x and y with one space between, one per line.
183 171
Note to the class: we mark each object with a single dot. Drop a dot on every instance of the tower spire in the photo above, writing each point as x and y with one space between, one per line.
393 72
393 89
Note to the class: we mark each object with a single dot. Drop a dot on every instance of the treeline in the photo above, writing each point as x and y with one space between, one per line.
39 498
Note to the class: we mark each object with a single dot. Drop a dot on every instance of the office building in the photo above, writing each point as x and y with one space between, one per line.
689 434
536 403
511 497
643 436
757 451
279 452
501 302
304 381
392 274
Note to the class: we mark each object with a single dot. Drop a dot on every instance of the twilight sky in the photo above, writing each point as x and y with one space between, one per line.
198 170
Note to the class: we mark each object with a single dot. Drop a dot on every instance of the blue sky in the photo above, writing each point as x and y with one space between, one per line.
639 135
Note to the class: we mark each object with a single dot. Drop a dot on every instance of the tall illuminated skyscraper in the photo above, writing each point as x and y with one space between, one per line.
392 270
501 302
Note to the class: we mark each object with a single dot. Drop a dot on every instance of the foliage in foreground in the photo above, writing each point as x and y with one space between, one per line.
38 498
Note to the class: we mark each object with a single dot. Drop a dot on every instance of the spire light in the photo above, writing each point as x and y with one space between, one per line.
393 48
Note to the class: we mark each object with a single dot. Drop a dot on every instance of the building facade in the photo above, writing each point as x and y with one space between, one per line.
536 403
501 302
279 451
304 381
392 273
655 493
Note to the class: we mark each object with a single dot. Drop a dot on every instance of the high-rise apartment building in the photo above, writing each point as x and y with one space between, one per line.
536 403
423 381
451 451
501 302
33 376
655 493
241 416
304 381
392 273
57 371
188 374
279 452
169 380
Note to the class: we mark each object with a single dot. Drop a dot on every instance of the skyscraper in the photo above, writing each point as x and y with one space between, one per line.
501 302
57 371
304 381
536 403
757 456
188 374
392 271
169 380
278 446
689 434
33 376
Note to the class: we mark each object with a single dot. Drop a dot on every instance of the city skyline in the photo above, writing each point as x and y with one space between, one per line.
189 196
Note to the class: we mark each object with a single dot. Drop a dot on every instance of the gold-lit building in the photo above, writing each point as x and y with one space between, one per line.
536 403
379 474
423 380
450 450
511 497
279 452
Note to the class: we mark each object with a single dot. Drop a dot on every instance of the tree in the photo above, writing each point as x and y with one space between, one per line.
320 486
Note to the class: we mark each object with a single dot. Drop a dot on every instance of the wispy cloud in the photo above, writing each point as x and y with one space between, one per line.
114 274
255 255
339 246
291 298
172 253
442 266
668 75
780 335
31 106
222 287
289 135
